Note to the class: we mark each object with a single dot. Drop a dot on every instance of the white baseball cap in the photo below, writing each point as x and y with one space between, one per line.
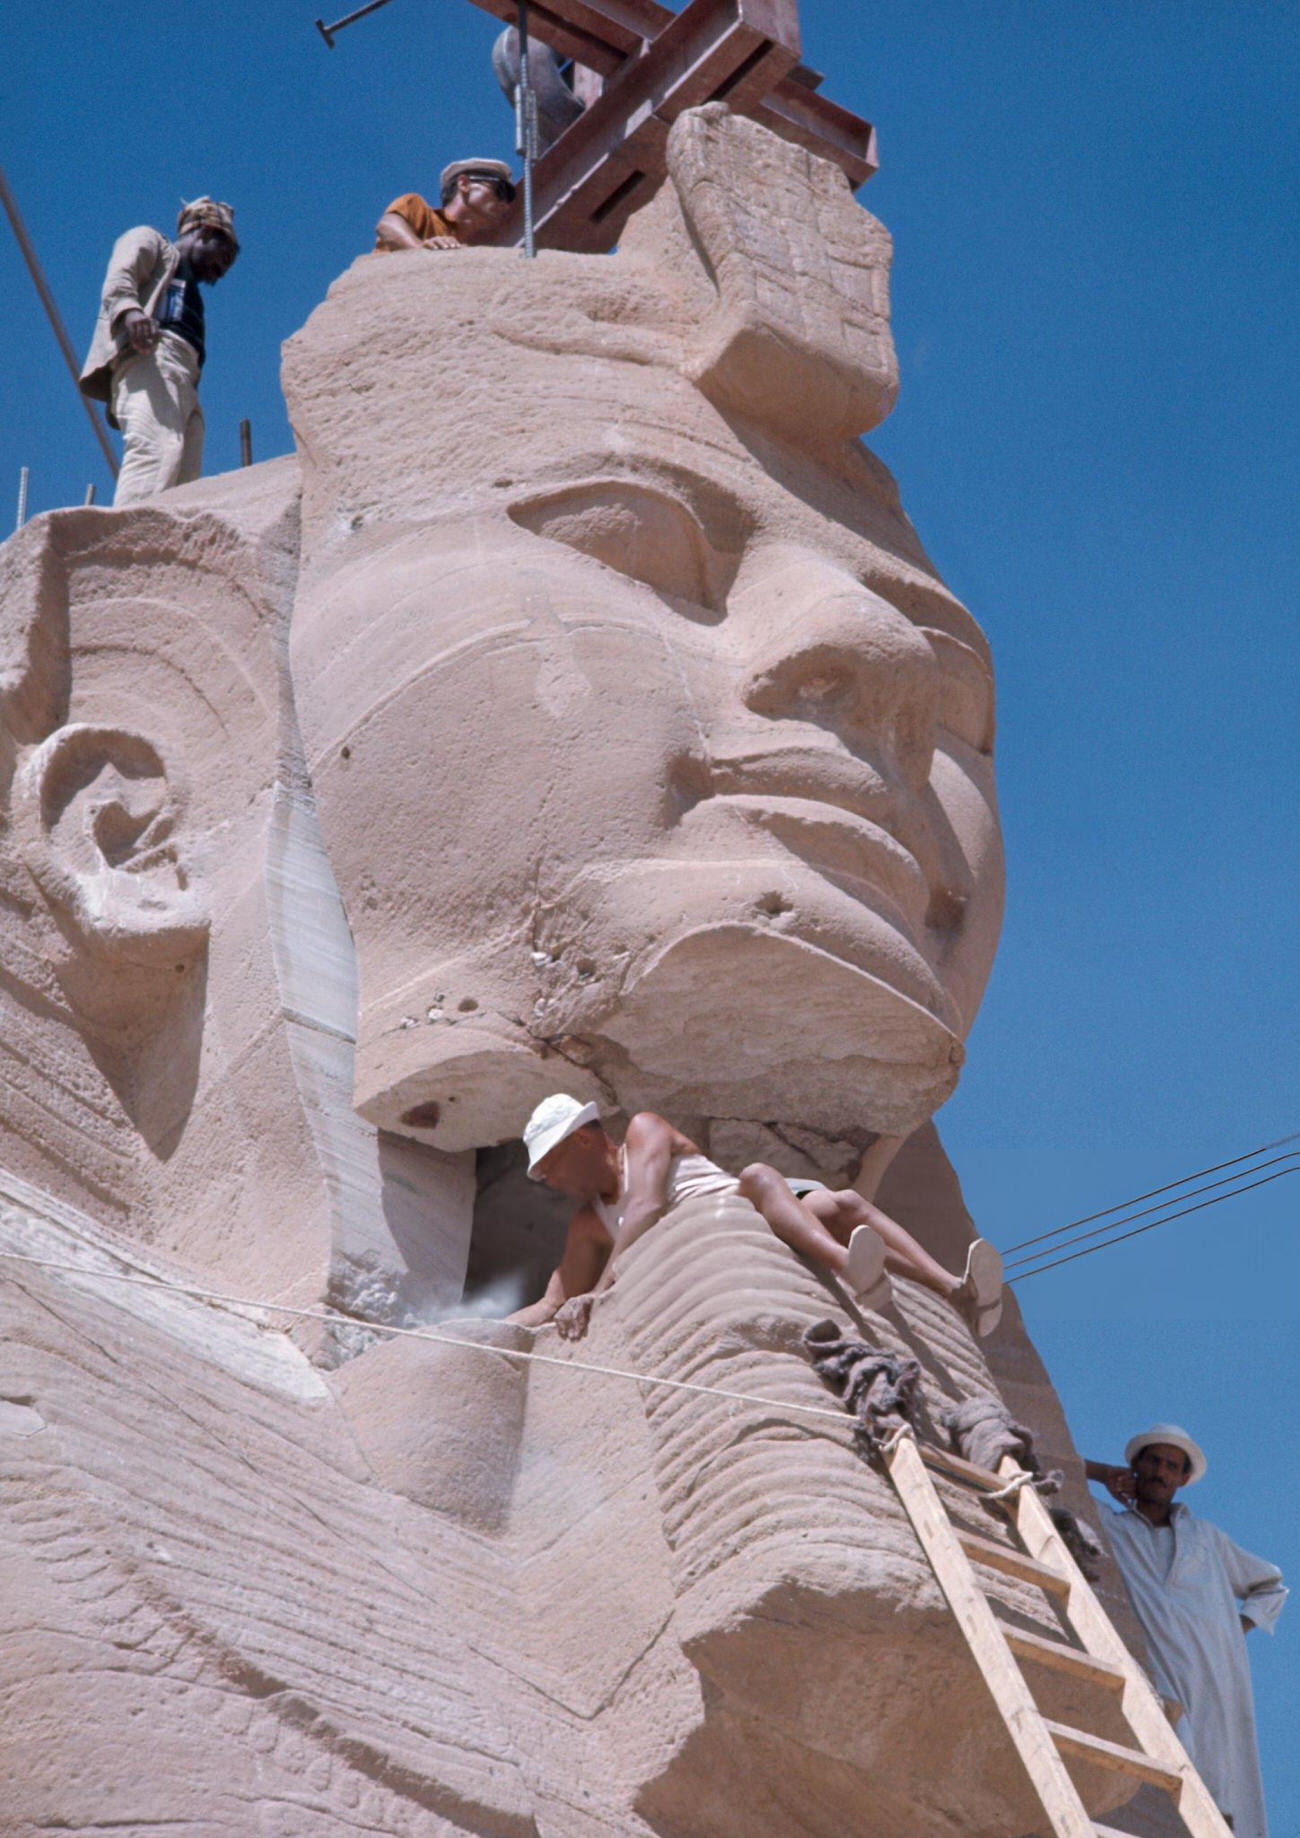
555 1118
1177 1439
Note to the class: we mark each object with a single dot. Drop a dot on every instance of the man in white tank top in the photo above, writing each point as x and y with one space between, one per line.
621 1190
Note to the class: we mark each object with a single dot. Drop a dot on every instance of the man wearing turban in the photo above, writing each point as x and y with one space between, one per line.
149 345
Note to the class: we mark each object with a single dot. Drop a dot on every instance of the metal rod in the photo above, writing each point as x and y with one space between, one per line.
23 477
327 32
52 314
90 495
526 127
245 443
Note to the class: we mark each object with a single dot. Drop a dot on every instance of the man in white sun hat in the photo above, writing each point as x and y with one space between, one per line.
622 1190
1197 1595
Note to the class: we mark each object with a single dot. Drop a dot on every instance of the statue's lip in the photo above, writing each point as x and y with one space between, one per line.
830 818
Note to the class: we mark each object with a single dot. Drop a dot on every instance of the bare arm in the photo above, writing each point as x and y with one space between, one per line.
586 1254
650 1146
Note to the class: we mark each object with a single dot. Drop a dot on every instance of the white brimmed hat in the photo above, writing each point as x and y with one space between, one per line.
555 1118
484 169
1177 1439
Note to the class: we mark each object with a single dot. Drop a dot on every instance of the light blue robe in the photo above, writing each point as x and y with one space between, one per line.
1191 1618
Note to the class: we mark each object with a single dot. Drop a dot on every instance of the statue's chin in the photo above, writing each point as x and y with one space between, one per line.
724 1020
737 1021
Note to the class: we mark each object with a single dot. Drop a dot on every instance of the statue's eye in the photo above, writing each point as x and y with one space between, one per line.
966 691
644 534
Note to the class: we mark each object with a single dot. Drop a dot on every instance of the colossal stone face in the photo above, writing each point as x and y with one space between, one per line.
653 759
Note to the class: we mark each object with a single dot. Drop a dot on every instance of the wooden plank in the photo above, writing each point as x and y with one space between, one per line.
1060 1658
1057 1794
1142 1708
961 1469
1013 1563
1136 1762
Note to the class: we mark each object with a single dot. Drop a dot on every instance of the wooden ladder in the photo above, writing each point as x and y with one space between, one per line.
1157 1756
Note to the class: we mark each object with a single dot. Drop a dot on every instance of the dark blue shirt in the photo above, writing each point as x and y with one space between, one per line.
182 309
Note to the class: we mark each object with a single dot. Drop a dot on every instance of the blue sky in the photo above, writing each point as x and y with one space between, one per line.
1094 208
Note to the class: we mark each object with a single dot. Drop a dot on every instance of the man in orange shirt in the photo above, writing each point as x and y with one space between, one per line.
475 195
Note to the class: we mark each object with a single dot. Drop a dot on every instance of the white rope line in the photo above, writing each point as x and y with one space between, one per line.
1021 1478
422 1333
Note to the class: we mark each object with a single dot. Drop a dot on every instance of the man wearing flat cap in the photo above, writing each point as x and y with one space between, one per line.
1197 1595
149 345
475 196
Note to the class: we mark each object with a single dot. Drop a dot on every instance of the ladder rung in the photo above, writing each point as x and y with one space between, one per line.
1109 1831
1113 1756
957 1465
1061 1658
1014 1563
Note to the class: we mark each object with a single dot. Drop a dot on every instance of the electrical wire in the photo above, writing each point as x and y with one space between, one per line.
1060 1230
1137 1232
1100 1231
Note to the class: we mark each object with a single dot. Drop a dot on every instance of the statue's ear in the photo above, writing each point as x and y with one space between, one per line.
98 820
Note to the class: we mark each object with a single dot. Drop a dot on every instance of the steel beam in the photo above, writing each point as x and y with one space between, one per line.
656 63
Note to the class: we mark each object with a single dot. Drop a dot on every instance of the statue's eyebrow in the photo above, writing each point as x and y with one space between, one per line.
669 542
723 518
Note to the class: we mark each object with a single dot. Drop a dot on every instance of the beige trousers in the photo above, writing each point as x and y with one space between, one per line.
156 403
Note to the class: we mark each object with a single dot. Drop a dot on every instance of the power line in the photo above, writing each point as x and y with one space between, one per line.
1137 1232
1169 1186
1127 1218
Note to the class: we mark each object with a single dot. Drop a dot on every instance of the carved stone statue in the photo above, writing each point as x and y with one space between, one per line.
608 730
632 704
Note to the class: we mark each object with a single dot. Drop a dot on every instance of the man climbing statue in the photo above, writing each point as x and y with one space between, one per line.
622 1190
149 345
1197 1595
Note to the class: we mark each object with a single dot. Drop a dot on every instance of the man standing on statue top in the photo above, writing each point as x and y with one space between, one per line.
150 343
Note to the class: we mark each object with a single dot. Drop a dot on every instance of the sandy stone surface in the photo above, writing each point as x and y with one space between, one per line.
628 698
442 1590
577 710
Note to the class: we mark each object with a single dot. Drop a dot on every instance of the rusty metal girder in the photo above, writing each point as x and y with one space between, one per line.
656 63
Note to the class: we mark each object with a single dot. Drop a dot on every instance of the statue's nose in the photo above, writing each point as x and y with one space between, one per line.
822 649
